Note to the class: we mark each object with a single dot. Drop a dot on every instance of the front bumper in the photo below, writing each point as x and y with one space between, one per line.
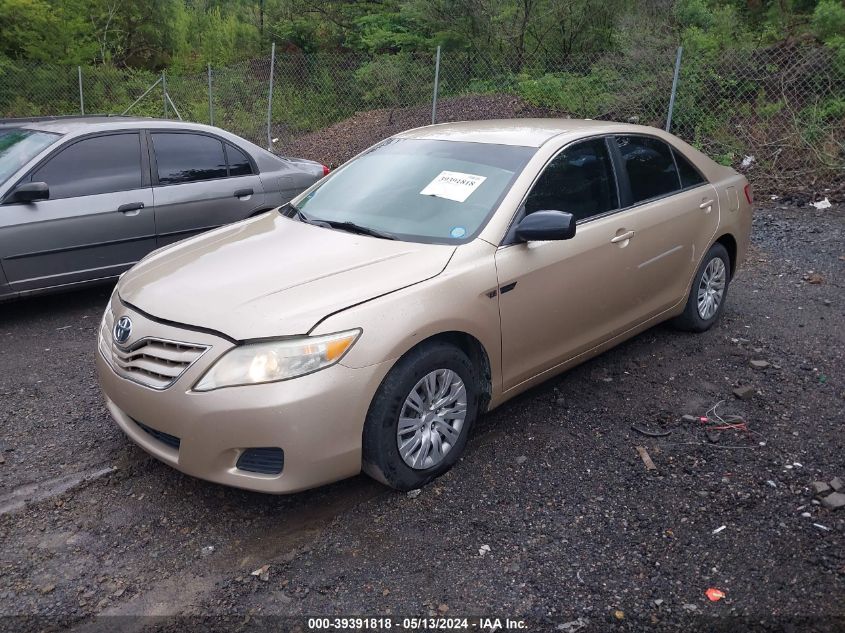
317 420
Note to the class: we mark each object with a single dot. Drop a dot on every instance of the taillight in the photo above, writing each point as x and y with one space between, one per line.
748 195
326 171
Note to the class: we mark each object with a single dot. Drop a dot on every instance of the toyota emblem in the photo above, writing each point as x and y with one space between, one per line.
122 330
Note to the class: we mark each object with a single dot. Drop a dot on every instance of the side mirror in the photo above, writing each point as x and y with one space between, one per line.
30 192
546 225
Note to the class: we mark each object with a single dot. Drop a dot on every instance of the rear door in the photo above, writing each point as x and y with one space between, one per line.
200 182
673 215
97 222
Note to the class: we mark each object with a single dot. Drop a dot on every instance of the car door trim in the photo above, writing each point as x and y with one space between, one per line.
77 247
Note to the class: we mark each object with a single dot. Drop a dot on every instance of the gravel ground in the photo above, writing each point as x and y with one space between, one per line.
551 516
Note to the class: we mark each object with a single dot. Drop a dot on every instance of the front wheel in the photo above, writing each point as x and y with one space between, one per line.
420 418
709 290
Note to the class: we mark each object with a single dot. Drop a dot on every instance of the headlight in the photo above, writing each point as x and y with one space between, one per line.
271 361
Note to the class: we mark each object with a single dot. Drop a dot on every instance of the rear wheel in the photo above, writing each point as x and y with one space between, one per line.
708 293
420 418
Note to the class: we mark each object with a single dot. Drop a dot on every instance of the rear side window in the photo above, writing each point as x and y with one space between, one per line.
579 181
238 162
101 164
184 158
690 177
651 169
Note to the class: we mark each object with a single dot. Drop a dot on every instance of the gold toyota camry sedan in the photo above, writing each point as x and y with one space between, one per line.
367 324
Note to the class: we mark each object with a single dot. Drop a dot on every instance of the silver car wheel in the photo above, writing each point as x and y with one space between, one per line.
431 419
711 288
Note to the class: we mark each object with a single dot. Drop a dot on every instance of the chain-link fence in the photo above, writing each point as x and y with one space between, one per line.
778 112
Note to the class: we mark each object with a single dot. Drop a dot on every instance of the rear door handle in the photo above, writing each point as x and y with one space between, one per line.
131 208
243 193
622 238
707 204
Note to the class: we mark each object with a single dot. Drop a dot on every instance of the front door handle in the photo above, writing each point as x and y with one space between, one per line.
243 193
622 238
131 208
706 204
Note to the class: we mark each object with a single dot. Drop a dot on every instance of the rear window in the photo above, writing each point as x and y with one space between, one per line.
18 146
650 166
184 157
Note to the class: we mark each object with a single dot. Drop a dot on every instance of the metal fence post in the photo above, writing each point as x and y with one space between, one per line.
674 88
210 101
436 86
270 96
81 98
164 91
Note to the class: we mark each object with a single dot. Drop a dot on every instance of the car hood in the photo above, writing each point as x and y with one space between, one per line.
273 276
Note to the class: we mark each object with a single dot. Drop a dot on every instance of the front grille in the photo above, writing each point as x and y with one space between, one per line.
154 362
165 438
267 461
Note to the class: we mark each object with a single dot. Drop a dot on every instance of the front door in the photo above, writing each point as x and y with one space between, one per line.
560 298
97 222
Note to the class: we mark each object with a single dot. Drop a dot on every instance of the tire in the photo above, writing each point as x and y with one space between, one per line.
692 319
382 459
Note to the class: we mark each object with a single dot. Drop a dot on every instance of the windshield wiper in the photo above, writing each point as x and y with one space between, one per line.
336 224
355 228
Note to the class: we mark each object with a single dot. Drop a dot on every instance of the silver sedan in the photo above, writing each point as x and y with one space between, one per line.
82 199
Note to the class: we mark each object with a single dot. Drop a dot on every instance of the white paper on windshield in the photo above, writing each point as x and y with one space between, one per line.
453 185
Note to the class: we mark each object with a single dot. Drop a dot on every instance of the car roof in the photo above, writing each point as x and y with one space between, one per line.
94 123
525 132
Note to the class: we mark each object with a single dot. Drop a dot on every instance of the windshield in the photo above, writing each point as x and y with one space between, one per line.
419 190
18 146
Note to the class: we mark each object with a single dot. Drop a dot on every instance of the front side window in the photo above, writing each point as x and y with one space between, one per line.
18 146
579 180
650 166
182 158
419 190
96 165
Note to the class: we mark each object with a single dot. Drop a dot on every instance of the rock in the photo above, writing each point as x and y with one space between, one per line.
574 625
48 588
521 460
834 501
820 488
837 484
207 550
413 494
759 364
744 392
